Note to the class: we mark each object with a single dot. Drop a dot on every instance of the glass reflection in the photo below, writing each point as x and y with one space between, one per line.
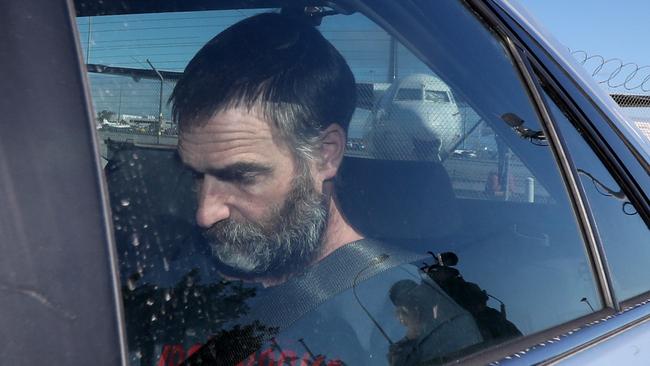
623 233
601 188
493 324
425 314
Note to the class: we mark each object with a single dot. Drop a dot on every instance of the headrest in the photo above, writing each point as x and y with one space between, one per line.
400 200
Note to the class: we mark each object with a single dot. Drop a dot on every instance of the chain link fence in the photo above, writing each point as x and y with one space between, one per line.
415 117
133 110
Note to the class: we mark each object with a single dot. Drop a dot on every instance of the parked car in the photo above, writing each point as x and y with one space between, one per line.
543 246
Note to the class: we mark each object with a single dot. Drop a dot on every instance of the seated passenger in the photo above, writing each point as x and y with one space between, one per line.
263 110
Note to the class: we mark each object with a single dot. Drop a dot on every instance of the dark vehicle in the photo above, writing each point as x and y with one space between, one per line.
510 228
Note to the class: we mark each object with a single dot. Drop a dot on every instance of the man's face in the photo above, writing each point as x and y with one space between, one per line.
260 209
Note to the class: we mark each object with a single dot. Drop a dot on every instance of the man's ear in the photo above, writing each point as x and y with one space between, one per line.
333 140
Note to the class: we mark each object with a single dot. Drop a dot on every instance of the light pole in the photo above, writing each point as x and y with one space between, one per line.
90 29
160 116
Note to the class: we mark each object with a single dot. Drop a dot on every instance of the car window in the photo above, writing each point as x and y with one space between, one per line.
468 234
621 229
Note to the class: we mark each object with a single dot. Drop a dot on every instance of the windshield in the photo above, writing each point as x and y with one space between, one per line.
436 96
408 94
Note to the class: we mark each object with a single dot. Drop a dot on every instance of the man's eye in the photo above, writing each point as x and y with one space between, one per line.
247 179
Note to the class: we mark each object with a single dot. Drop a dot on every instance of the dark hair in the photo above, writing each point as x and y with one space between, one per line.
279 64
402 293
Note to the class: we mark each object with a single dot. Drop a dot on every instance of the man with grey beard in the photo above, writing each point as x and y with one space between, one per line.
263 110
288 242
266 144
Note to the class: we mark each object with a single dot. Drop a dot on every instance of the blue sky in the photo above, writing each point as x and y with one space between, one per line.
613 29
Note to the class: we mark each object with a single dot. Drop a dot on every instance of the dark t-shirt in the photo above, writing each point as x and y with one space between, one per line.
364 304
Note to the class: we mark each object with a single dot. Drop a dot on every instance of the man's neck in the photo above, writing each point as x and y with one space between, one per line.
337 234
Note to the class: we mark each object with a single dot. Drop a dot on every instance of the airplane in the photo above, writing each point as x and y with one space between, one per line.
418 111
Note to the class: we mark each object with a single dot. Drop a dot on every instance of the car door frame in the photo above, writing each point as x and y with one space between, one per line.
58 277
615 147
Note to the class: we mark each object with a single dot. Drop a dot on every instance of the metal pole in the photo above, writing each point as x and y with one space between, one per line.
160 116
392 60
506 175
119 105
88 39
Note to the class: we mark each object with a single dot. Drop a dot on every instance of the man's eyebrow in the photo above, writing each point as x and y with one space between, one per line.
239 170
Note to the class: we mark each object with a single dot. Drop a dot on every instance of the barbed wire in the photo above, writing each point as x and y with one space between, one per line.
614 72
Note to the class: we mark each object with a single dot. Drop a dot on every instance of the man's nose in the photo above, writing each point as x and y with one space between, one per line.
212 203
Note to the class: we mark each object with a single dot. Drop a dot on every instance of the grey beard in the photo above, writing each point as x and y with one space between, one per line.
288 242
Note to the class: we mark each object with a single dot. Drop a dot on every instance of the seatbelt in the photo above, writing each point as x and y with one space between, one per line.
280 306
341 270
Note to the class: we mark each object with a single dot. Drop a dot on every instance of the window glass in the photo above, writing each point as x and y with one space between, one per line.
443 228
621 229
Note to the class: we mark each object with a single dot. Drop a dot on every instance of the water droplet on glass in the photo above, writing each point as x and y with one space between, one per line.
154 318
138 354
130 284
149 302
135 240
165 264
168 296
124 202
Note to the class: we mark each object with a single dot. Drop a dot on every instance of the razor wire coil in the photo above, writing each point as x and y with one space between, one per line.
614 72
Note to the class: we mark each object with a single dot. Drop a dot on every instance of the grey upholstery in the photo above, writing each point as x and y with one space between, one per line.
398 200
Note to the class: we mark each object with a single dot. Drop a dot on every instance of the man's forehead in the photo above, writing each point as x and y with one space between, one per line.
227 134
